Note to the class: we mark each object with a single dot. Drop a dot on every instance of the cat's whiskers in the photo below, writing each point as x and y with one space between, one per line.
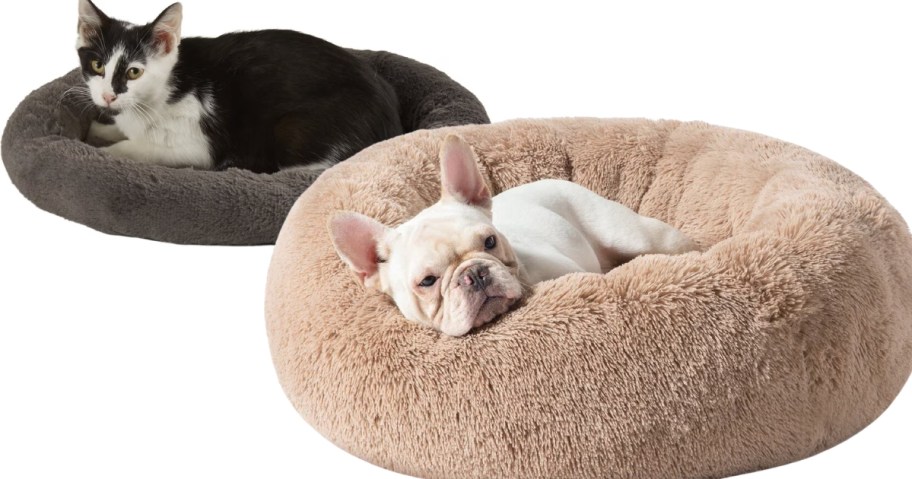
159 118
77 92
140 112
78 96
141 43
101 43
150 115
135 49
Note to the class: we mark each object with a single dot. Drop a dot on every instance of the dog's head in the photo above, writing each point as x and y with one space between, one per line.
448 267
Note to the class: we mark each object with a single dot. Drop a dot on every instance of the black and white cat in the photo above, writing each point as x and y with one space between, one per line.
262 100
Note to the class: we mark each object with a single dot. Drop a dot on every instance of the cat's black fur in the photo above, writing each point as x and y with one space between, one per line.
281 98
285 98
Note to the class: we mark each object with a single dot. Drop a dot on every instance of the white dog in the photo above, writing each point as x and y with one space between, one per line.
463 261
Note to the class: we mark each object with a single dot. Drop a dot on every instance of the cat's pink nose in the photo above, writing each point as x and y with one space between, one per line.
108 97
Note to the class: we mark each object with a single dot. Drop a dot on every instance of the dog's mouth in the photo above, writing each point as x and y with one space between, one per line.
490 308
477 294
487 305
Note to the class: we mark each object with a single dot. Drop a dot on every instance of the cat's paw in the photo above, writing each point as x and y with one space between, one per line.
101 134
122 149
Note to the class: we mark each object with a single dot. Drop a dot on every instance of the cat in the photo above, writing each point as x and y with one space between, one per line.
259 100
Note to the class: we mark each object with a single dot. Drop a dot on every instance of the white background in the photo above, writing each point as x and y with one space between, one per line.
122 357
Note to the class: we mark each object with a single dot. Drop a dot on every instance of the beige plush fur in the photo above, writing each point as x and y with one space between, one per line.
790 332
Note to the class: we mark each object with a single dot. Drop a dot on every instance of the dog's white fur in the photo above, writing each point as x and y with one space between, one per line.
543 230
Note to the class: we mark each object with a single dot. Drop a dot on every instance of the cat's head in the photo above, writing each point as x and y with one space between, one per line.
125 65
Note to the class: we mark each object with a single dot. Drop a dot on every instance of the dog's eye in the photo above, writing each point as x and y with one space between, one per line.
428 281
490 242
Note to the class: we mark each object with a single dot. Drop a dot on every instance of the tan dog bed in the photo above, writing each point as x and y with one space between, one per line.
788 334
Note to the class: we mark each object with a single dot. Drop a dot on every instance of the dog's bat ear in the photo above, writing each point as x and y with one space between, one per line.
356 238
460 178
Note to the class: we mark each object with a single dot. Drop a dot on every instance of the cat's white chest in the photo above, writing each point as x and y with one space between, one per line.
170 134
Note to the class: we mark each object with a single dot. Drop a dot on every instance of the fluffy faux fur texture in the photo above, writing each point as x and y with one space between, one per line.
788 333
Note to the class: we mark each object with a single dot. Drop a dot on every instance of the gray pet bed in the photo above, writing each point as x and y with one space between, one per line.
47 160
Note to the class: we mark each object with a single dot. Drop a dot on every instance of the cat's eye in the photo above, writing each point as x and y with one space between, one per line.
134 73
97 66
428 281
491 242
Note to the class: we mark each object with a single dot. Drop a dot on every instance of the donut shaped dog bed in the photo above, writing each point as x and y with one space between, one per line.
790 331
52 167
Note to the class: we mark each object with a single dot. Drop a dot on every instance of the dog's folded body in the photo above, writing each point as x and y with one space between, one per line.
466 259
558 227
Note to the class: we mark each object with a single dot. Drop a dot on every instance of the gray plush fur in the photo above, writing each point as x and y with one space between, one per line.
47 160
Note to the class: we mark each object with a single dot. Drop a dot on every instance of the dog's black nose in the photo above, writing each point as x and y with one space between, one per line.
476 278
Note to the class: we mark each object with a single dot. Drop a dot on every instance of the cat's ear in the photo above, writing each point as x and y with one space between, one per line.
166 29
91 21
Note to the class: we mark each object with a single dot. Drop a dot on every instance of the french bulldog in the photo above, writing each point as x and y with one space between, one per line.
469 257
